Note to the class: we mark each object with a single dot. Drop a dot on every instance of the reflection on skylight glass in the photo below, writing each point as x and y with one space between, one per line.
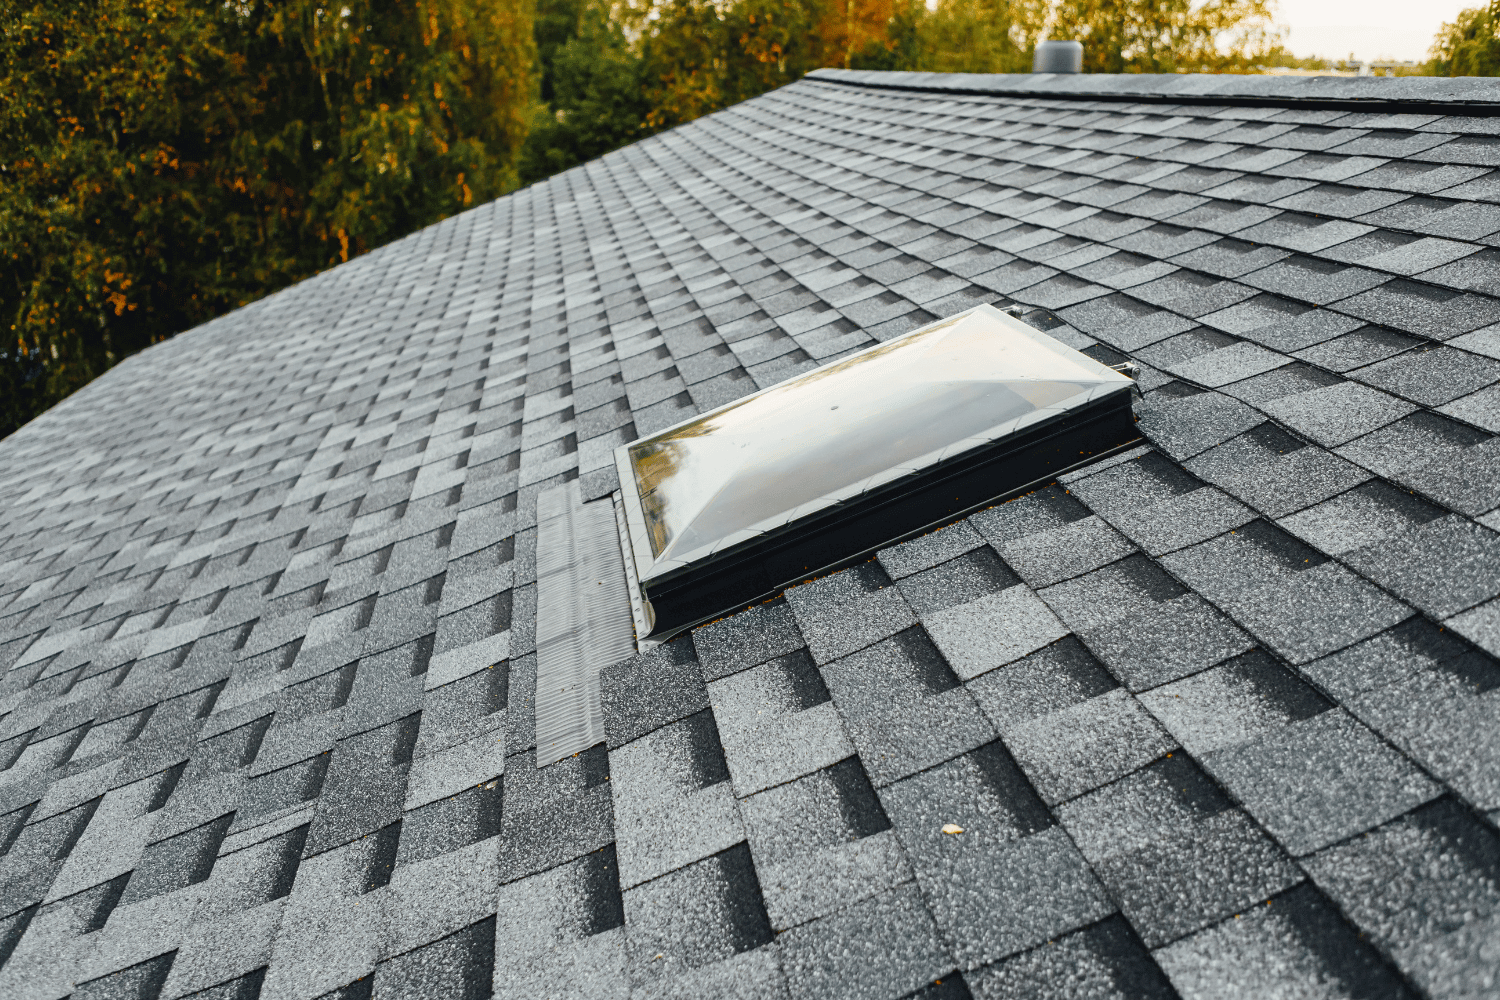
806 475
754 461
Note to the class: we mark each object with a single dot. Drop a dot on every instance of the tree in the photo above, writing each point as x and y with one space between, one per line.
592 98
1168 36
1469 46
981 36
163 161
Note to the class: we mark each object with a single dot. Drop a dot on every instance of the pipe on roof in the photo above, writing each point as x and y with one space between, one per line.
1057 57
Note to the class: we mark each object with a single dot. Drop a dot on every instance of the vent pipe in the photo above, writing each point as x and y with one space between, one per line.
1058 57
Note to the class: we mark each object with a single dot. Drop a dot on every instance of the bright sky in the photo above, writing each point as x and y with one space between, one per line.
1371 29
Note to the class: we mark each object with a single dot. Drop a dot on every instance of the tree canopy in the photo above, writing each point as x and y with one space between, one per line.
164 161
1469 46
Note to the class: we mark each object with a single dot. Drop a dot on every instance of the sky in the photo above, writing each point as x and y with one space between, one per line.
1370 29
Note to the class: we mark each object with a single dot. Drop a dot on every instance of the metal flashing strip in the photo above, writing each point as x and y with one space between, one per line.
583 618
633 584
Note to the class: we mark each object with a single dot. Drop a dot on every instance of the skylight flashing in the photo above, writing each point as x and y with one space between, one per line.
745 499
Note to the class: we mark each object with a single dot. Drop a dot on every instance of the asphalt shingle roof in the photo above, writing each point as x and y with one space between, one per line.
1217 717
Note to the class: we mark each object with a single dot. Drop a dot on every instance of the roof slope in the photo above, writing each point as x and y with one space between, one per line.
1216 716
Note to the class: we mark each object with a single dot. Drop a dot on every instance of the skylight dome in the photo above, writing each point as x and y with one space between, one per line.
760 493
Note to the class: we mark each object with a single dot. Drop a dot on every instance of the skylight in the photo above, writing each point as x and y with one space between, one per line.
801 477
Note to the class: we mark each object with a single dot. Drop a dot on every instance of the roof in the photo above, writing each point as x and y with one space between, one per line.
1217 715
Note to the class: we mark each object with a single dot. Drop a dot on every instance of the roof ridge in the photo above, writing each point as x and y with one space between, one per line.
1474 96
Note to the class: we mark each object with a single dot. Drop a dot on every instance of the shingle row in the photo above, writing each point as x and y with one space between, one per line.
1214 715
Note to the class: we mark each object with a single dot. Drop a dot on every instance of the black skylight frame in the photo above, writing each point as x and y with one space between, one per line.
1011 457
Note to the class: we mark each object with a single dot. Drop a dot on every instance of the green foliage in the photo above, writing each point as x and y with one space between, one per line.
1278 56
1470 46
1168 36
980 36
163 161
590 82
901 49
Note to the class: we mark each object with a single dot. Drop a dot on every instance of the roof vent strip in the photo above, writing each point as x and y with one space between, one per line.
583 620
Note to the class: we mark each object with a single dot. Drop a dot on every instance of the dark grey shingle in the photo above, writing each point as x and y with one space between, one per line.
1359 347
903 706
1431 376
1275 472
1422 922
984 910
1173 851
1425 310
1299 930
1442 566
886 946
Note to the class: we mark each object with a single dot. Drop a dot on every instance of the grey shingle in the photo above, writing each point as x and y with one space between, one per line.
681 769
1311 776
1418 256
1077 745
1482 408
1438 457
298 587
1391 656
1321 781
1478 272
1047 557
1289 939
651 690
563 932
1363 346
1312 280
746 639
1183 420
1431 376
884 946
1173 852
972 575
705 913
1421 888
1416 177
822 843
1042 510
1124 322
1305 233
993 630
1281 324
915 716
553 816
1338 200
1336 414
1442 566
848 611
1010 862
1143 624
1425 310
777 722
1462 219
1391 142
1364 517
1319 611
1275 472
1105 960
1189 293
929 550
